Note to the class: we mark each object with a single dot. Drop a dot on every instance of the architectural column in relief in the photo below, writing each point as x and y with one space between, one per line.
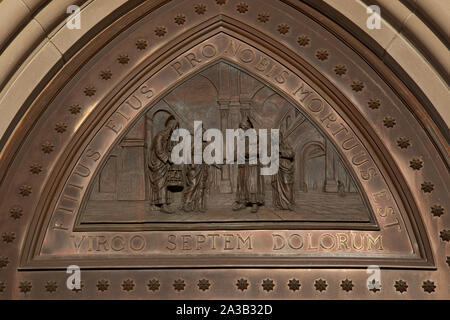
330 168
131 179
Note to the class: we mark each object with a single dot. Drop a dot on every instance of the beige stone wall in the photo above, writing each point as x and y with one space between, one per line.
35 43
414 34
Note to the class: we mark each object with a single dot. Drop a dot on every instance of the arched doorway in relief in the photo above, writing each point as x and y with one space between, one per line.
312 167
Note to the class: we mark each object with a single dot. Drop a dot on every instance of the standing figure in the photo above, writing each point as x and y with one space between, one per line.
283 181
196 184
250 182
159 165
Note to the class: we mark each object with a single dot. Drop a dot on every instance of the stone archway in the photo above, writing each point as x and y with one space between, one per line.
87 108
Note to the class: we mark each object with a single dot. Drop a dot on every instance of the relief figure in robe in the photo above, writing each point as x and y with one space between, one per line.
196 183
158 166
283 180
250 182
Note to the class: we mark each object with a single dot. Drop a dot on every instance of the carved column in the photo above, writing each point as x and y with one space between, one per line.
330 168
225 185
224 97
245 109
131 180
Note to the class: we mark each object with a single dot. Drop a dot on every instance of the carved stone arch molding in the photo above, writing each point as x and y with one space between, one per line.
369 121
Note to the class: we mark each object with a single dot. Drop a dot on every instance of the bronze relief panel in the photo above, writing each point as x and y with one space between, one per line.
358 183
311 172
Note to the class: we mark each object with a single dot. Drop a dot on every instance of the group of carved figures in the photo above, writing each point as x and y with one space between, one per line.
164 175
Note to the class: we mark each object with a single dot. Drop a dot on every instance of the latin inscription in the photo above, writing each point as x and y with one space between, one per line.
229 242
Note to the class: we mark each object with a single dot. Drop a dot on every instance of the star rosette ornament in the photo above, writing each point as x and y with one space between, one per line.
242 284
153 285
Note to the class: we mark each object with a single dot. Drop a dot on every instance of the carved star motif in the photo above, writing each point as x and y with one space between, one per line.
160 31
123 58
3 262
303 41
200 8
25 286
16 213
242 7
437 210
374 103
428 286
294 285
340 69
75 109
263 17
221 2
403 142
203 284
47 147
268 285
128 285
283 28
445 235
180 19
357 86
2 287
141 44
105 74
347 285
153 285
8 237
389 122
60 127
51 286
179 285
25 190
321 285
35 168
374 286
416 164
322 54
427 187
401 286
242 284
102 285
90 91
81 287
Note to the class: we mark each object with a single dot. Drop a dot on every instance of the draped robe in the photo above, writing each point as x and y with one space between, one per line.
250 182
283 181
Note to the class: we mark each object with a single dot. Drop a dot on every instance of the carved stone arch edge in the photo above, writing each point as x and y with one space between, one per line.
300 59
